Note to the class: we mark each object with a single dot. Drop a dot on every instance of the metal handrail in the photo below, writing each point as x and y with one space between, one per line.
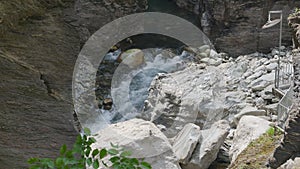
284 107
284 76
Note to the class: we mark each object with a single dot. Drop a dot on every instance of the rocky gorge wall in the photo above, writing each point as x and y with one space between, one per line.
235 26
37 59
38 51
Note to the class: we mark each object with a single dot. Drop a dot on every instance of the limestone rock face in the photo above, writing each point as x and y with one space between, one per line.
185 142
235 26
248 129
209 145
143 139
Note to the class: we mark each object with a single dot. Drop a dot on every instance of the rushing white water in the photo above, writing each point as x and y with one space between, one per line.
129 87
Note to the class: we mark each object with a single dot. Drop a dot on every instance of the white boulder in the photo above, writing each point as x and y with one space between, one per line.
248 129
186 141
209 145
143 139
132 58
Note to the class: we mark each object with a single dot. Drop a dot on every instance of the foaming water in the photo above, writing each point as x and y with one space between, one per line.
129 87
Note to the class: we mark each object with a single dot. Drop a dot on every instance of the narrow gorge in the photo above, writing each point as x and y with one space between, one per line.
176 106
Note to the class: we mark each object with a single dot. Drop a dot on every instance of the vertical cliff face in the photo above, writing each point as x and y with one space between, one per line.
235 26
39 45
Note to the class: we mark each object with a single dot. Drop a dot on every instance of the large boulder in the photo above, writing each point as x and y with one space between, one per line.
132 58
185 142
248 129
209 145
143 139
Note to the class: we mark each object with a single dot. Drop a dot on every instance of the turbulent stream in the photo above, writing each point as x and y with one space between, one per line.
129 87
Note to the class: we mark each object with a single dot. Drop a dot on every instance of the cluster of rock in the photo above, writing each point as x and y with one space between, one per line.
209 111
217 88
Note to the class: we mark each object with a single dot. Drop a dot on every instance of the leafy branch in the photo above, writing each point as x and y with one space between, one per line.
82 155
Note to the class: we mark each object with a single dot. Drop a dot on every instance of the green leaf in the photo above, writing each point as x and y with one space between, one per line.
84 139
33 160
87 131
134 161
113 151
95 152
103 153
145 165
47 162
116 165
88 151
50 164
77 148
89 161
114 159
91 141
78 140
69 154
59 162
96 164
125 154
63 150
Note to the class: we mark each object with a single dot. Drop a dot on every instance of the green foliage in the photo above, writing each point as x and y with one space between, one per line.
271 131
82 154
295 12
